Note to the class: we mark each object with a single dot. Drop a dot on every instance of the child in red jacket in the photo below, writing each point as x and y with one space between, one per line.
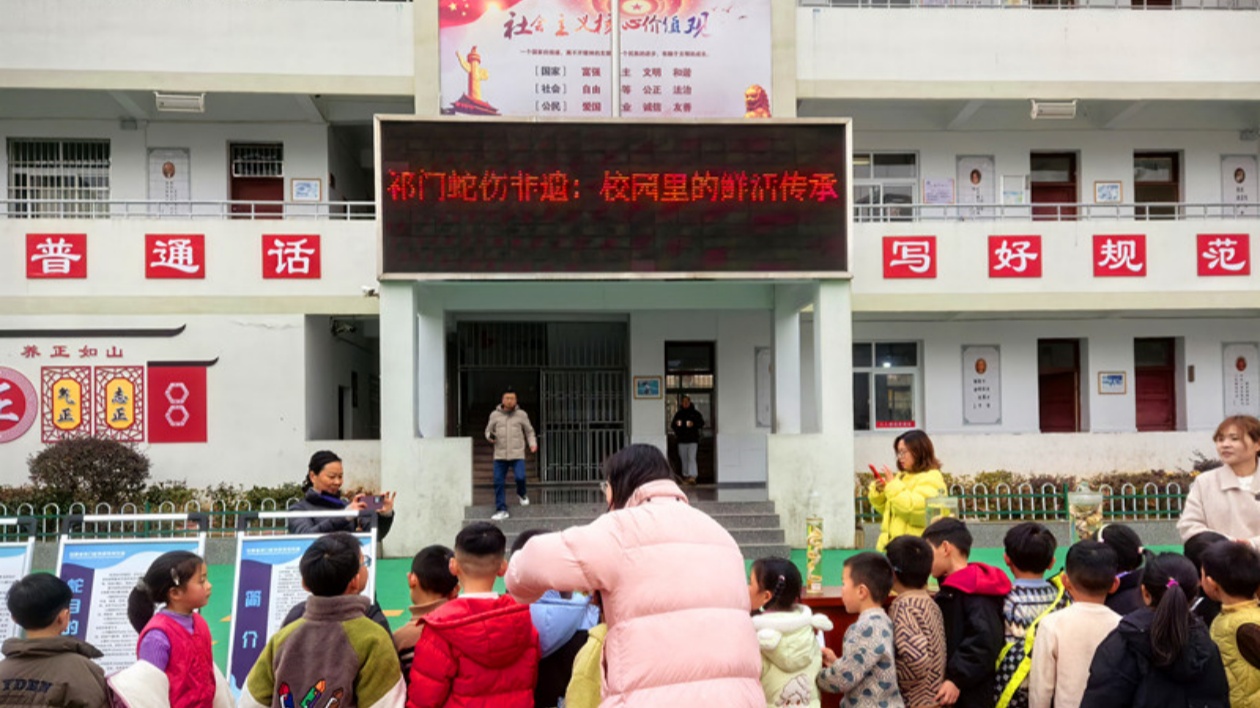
480 649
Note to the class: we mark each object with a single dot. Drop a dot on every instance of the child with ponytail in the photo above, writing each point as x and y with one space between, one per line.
1161 655
791 655
176 661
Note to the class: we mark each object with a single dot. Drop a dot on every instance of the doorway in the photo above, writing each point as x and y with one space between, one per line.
1059 385
691 371
1155 383
1156 179
1053 181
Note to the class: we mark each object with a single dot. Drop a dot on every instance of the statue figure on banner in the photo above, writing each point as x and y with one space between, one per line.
471 102
756 102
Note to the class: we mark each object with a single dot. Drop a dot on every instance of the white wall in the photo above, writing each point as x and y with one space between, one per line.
1016 443
333 363
741 445
305 150
1010 53
257 42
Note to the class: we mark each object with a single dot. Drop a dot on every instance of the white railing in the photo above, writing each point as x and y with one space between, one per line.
221 516
1047 502
1052 212
1044 4
152 209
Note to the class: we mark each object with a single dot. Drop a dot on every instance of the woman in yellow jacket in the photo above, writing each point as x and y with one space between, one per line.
901 499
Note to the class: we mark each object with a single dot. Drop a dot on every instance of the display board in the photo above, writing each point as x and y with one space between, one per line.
15 563
510 199
268 585
101 574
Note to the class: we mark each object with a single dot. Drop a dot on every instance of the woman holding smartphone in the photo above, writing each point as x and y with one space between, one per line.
901 497
322 492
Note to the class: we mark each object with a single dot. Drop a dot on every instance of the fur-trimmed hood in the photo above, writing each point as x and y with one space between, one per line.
788 639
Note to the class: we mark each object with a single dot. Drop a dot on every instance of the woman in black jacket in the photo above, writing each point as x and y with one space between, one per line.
1160 656
322 488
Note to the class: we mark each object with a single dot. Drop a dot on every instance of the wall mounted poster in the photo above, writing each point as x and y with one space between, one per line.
15 563
977 184
268 585
1240 185
1242 379
982 385
101 574
680 58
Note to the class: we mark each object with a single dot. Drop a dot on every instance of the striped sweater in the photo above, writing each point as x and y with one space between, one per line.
919 639
1026 602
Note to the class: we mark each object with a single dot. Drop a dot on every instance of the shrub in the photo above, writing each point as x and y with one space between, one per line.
89 470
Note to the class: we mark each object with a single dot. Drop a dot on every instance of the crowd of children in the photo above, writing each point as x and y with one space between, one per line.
981 640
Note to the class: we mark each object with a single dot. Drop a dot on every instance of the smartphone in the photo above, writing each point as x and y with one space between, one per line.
875 471
373 502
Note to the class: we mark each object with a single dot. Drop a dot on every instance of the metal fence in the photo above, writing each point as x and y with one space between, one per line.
154 209
48 521
1023 502
1150 211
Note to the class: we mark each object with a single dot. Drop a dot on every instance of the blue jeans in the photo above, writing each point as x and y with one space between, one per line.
500 479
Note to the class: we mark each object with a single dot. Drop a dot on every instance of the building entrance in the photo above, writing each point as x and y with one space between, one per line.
570 377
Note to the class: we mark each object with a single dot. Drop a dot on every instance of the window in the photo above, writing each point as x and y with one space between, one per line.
57 178
258 160
881 179
885 385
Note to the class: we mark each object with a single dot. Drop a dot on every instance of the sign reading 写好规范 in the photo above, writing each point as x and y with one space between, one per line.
502 198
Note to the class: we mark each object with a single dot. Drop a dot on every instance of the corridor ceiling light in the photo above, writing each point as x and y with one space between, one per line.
1053 110
180 102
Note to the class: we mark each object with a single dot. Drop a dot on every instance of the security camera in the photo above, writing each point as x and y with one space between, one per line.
370 291
340 327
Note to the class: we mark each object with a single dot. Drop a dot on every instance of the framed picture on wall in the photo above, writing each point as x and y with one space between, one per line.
647 387
1108 192
307 190
1112 383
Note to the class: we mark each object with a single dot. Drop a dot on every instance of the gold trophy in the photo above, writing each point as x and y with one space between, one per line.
813 555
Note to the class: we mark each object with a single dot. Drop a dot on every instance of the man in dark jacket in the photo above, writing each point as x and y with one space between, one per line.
686 426
970 599
45 668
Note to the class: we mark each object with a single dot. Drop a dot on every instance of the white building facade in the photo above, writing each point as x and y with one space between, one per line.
1095 257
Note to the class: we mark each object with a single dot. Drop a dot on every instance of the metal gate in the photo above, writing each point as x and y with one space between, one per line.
583 380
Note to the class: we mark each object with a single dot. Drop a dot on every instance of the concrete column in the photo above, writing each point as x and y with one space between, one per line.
787 359
398 363
430 363
833 359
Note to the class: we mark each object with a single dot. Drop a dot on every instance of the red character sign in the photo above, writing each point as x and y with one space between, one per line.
909 256
287 256
1014 256
175 256
177 404
18 404
1224 254
1120 256
56 255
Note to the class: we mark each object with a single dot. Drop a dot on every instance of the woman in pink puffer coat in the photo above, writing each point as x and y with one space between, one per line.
673 589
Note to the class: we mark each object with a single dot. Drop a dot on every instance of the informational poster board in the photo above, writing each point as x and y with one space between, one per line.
982 384
268 586
1240 185
170 180
977 184
102 573
1242 379
15 562
681 59
938 191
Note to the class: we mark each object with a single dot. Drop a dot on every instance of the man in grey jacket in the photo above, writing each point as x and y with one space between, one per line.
510 431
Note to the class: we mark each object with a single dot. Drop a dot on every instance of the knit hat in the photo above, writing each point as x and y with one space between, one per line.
320 459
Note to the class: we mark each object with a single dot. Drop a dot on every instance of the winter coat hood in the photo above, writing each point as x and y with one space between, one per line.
979 579
1135 630
787 639
494 631
557 619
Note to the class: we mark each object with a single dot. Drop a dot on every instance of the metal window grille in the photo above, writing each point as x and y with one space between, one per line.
58 178
258 160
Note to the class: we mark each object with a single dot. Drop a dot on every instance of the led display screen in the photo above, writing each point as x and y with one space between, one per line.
509 199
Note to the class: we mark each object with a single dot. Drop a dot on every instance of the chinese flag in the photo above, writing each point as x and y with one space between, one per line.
461 12
177 403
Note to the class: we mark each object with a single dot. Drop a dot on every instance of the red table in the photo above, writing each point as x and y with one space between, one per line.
830 604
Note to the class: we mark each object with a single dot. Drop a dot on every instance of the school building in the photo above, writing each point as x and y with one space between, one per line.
1041 255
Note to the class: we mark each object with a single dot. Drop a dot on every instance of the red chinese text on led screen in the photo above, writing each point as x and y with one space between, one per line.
661 187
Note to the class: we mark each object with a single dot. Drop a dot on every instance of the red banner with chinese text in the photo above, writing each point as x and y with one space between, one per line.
66 397
177 404
120 402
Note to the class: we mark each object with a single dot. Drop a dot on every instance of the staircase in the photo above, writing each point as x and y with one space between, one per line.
754 525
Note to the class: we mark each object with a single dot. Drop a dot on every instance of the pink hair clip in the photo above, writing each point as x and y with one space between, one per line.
1172 582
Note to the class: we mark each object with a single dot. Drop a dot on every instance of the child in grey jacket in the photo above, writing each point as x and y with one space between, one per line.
865 671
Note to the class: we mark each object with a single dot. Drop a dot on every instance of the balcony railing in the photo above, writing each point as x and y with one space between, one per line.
1045 4
150 209
1053 212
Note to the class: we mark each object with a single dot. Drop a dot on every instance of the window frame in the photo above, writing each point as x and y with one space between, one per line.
916 395
880 211
73 183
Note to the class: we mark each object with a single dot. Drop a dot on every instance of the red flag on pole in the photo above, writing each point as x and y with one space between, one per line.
460 12
177 403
